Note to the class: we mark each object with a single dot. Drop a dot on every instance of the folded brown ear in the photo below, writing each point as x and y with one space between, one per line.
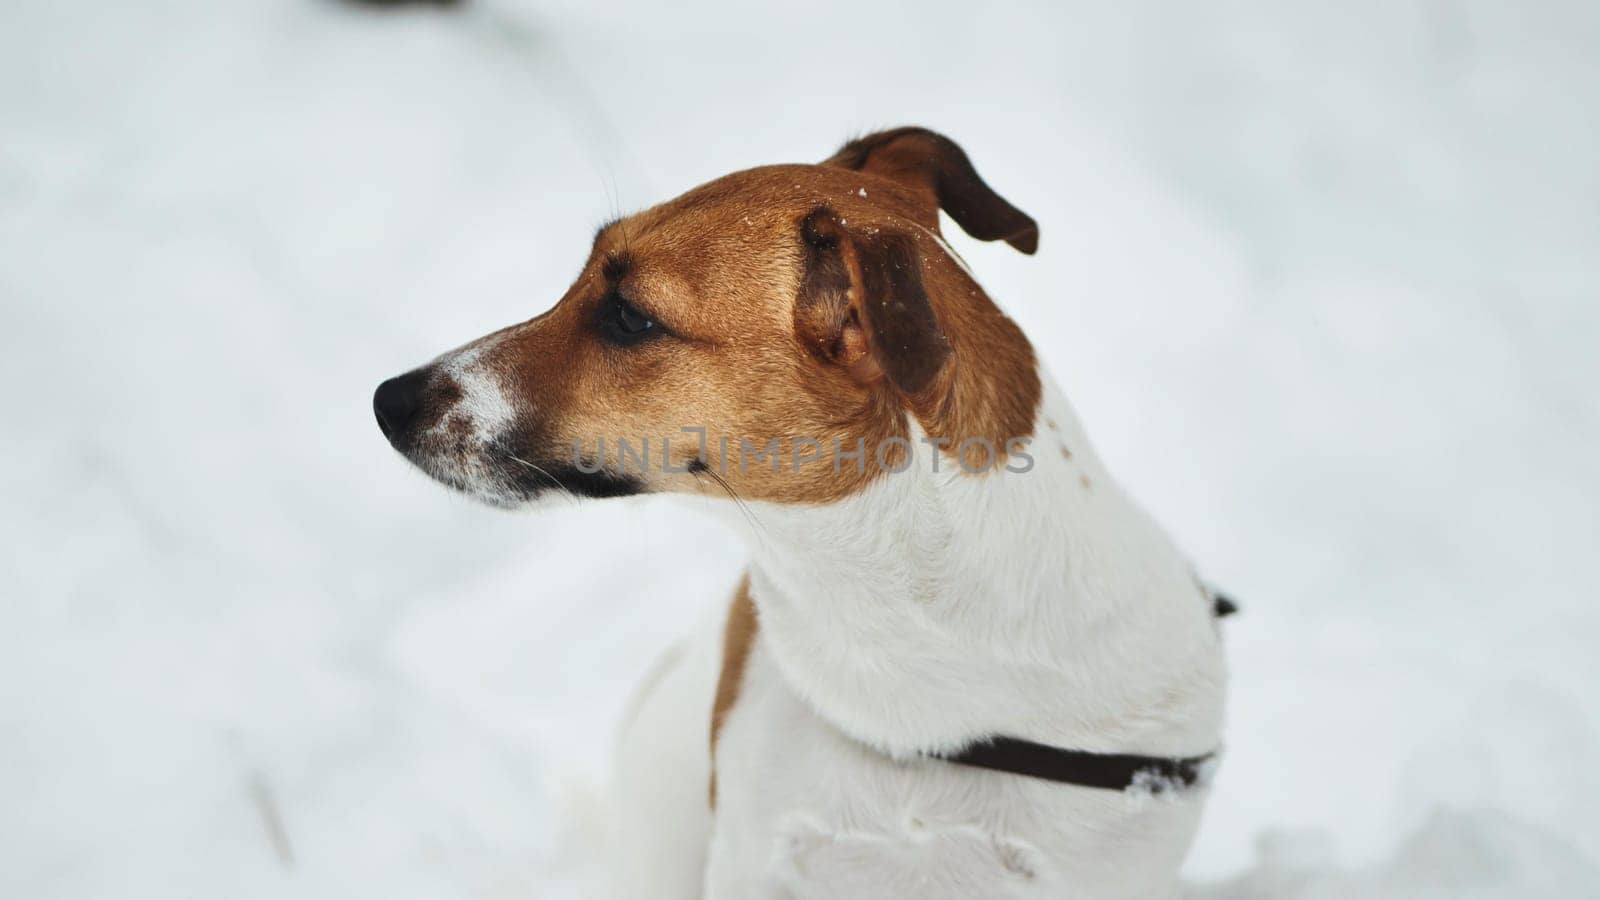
931 160
862 305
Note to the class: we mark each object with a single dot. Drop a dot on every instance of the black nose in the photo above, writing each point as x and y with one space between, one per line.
396 402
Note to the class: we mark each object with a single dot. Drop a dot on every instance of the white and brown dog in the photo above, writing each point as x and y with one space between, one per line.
962 662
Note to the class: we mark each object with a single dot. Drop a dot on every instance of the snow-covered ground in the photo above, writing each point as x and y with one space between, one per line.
1323 284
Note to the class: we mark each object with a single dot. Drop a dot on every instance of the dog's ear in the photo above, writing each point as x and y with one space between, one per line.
862 307
929 161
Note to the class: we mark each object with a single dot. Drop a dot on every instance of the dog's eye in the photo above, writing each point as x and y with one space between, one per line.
623 323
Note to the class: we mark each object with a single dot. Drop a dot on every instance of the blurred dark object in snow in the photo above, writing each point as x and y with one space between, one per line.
396 4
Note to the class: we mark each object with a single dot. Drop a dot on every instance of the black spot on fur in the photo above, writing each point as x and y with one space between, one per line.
615 266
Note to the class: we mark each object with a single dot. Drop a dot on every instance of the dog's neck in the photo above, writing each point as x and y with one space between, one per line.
933 609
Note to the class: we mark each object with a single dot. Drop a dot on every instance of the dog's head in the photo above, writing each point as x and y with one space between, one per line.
772 334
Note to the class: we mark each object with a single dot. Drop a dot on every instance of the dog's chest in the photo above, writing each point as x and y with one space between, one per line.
803 811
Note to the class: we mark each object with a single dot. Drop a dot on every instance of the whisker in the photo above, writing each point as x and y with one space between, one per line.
540 470
756 524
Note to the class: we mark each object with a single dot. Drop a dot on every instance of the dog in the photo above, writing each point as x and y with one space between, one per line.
962 662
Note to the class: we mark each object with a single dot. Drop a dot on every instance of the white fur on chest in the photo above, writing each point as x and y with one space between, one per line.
937 608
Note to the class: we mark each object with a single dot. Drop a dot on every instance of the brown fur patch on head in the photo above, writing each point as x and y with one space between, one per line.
780 327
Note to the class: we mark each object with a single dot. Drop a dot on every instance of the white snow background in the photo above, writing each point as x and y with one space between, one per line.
1321 281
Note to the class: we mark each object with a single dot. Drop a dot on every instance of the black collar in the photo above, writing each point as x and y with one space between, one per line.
1111 771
